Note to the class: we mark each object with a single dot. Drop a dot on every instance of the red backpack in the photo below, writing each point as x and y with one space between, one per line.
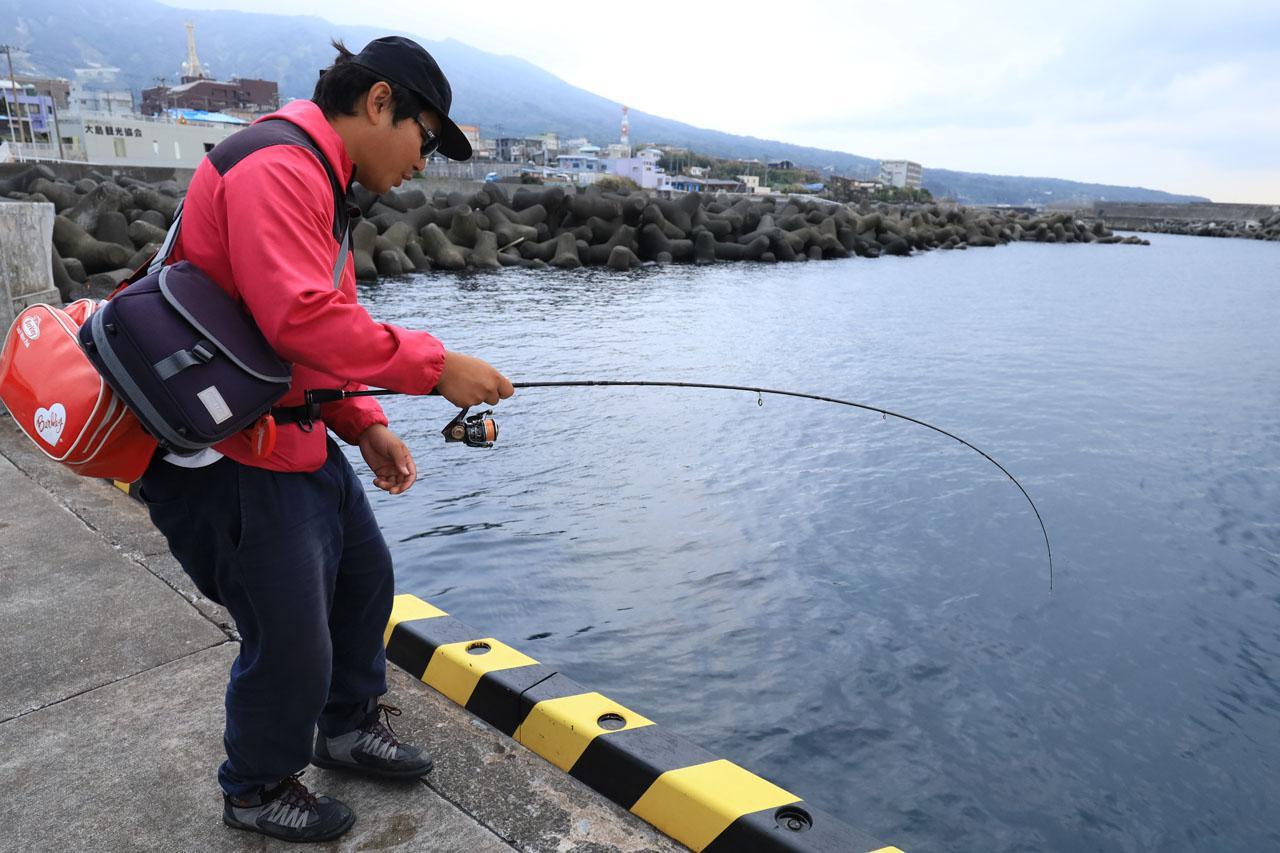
61 401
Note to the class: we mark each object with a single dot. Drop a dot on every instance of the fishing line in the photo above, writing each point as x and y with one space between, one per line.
587 383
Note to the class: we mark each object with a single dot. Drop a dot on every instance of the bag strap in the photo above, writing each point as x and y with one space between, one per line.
263 134
166 248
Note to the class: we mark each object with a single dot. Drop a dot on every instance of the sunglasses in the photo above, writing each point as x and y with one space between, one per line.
430 142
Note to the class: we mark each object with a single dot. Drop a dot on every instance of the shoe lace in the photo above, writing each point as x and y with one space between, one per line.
295 793
382 728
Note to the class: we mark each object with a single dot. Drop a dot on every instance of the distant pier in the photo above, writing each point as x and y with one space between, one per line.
1253 221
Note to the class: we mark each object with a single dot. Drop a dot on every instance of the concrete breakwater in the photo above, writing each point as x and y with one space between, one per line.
1247 221
105 227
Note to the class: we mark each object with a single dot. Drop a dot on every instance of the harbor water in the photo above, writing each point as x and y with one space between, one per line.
855 607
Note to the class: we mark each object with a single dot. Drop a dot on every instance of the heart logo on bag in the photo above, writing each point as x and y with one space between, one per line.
50 422
31 326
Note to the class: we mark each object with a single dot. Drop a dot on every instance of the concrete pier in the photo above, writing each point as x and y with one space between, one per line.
26 259
111 712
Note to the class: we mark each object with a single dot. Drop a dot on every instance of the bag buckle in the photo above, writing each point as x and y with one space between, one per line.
203 352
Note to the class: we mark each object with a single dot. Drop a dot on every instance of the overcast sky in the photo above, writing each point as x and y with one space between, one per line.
1177 96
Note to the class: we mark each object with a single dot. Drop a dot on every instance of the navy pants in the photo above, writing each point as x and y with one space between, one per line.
299 562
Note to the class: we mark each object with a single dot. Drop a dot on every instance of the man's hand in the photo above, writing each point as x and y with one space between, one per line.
390 459
467 381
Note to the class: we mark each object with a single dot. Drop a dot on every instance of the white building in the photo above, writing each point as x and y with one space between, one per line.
690 184
579 163
752 183
116 101
100 90
642 169
901 173
583 169
138 140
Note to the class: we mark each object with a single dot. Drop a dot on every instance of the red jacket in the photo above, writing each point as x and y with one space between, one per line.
264 233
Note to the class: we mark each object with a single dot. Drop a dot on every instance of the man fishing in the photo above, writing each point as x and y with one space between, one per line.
285 538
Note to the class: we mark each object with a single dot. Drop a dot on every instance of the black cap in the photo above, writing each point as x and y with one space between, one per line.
406 63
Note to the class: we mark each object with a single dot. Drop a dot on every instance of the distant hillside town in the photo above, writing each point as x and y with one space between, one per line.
92 119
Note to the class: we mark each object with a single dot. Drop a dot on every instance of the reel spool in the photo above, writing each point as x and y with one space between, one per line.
478 430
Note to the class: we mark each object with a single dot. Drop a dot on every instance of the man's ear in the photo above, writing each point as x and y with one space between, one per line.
376 100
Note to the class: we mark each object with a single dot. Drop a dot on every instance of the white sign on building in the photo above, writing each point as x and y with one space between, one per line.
137 140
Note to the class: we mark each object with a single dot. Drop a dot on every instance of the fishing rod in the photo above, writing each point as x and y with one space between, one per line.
480 430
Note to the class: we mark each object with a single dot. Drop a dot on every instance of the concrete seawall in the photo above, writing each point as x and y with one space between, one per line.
1208 212
73 172
432 185
76 171
1251 221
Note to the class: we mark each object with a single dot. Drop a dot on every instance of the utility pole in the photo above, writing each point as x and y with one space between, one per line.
57 132
11 110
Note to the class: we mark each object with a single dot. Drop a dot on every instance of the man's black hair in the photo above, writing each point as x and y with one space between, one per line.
344 83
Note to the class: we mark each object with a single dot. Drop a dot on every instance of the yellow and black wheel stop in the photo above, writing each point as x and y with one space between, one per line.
703 802
130 489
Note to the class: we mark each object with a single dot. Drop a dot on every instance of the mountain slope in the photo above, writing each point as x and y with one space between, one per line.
503 94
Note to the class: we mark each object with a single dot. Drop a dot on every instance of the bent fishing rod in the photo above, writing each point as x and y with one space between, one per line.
480 430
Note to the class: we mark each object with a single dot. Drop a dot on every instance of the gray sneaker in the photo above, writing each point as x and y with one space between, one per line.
289 812
372 749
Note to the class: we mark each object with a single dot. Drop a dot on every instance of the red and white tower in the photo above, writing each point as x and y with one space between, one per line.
626 131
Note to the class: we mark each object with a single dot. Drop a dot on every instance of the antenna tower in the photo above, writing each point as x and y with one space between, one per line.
626 130
192 67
